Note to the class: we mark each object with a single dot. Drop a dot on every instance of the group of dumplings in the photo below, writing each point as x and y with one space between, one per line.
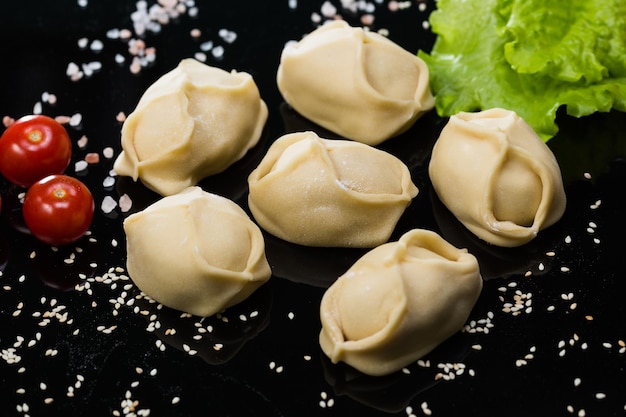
201 253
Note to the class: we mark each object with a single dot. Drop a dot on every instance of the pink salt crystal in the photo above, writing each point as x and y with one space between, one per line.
62 119
125 203
7 121
125 34
135 66
367 19
92 158
82 142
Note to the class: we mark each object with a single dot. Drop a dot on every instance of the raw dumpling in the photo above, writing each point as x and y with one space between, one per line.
398 302
335 193
355 83
195 252
193 122
497 177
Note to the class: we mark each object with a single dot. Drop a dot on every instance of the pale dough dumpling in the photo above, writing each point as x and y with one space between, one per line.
398 302
497 177
334 193
355 83
195 252
193 122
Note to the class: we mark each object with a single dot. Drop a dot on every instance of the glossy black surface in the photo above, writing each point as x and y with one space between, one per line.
94 350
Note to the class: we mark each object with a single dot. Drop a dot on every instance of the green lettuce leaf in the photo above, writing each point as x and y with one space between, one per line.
529 56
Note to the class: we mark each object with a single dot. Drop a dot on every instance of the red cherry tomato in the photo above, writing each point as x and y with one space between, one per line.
32 148
58 209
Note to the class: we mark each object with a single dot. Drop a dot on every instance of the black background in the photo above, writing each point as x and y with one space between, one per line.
39 39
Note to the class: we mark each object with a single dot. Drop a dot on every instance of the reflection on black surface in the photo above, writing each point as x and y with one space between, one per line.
315 266
228 332
205 392
141 196
57 268
413 146
393 393
494 261
231 183
4 249
12 207
588 144
295 122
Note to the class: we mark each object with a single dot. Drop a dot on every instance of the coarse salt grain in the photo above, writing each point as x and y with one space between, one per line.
80 166
328 10
108 204
200 56
108 152
96 45
227 35
108 182
206 46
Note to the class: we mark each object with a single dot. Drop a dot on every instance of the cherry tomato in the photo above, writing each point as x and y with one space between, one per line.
32 148
58 209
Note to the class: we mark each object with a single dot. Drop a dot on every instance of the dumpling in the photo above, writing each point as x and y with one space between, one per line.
497 177
355 83
196 252
417 292
334 193
193 122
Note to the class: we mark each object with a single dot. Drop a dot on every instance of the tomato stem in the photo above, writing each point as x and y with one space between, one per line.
35 136
59 193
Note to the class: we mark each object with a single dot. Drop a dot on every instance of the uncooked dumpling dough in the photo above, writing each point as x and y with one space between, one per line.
398 302
195 252
497 177
334 193
355 83
193 122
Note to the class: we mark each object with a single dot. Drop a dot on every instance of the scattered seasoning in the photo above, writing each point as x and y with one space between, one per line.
325 400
